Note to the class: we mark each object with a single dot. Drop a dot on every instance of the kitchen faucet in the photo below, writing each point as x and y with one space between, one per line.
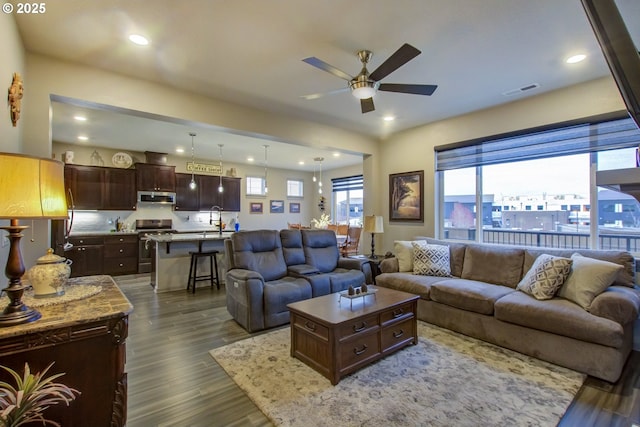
219 210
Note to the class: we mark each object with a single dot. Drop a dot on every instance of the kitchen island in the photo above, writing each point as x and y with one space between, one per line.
170 257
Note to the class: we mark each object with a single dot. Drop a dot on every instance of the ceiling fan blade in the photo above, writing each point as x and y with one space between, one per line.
320 95
319 63
400 57
413 89
367 105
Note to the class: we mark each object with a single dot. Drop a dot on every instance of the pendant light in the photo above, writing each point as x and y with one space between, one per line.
319 160
220 187
266 188
314 170
192 184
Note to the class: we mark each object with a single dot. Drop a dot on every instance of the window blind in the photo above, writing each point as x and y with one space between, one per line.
536 144
355 182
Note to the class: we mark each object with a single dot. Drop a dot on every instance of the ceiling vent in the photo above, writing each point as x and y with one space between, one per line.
522 89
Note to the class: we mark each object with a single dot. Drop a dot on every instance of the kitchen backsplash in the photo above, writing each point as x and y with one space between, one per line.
105 221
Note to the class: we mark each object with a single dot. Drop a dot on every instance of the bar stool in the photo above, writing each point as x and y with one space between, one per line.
193 269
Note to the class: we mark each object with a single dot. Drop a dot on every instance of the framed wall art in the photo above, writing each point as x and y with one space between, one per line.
277 206
406 196
255 207
294 207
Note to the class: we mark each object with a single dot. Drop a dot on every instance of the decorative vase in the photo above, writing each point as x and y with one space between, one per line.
49 275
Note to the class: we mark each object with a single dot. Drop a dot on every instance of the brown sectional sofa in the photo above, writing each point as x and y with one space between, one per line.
480 299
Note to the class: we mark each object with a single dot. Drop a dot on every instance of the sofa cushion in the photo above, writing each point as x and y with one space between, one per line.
545 276
403 249
279 293
321 249
341 279
430 260
456 253
292 246
558 316
624 258
618 303
470 295
493 264
589 278
260 251
408 282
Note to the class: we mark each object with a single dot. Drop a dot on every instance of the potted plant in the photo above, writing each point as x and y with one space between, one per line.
31 396
323 222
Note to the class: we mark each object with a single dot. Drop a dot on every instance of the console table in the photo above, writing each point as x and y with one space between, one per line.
86 340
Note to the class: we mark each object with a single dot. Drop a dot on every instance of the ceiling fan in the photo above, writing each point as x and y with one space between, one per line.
365 85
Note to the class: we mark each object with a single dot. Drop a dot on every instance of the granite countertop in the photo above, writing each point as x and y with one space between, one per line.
188 237
104 300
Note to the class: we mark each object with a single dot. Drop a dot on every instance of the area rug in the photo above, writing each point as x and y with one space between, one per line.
447 379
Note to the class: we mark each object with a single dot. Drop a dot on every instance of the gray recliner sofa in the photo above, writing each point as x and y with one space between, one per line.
268 269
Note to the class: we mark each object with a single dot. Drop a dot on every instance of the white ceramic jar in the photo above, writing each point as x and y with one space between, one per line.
49 275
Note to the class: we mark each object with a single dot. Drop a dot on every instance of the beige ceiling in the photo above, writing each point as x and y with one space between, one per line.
250 51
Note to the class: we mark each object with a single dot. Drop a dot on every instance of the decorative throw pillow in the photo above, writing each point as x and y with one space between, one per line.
589 278
546 276
431 260
404 254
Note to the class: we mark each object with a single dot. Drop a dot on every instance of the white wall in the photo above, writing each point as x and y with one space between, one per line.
413 149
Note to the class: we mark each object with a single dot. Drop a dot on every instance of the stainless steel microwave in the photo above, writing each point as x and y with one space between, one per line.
159 197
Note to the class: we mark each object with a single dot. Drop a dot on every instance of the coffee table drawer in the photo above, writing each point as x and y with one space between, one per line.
359 351
312 327
398 334
357 326
400 312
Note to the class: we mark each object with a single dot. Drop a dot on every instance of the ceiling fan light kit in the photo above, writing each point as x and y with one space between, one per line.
364 86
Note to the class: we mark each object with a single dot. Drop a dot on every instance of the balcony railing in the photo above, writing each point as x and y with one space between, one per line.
549 239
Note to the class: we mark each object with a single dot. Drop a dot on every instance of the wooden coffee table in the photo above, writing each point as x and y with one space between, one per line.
336 336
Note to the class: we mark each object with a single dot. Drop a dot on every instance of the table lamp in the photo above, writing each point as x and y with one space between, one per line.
373 225
30 188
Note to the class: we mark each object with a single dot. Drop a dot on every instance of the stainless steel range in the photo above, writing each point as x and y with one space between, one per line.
144 227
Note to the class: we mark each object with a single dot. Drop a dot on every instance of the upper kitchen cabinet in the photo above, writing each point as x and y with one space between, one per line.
186 198
92 187
155 177
85 186
120 189
231 194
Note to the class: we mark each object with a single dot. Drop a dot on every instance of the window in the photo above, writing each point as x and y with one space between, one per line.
348 200
295 188
536 187
255 186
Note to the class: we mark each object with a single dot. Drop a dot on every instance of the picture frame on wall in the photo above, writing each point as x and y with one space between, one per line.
406 196
276 206
294 207
255 207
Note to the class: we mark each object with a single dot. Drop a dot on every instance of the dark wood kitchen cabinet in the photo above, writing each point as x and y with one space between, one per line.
208 192
186 198
120 254
231 195
94 187
119 189
85 183
155 177
87 255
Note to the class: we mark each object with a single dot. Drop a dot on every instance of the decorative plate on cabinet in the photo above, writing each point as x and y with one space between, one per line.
122 160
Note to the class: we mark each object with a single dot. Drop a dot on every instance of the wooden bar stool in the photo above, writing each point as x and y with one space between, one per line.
193 269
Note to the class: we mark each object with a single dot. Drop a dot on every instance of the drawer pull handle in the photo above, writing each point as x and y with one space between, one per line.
359 352
397 313
361 328
310 325
398 334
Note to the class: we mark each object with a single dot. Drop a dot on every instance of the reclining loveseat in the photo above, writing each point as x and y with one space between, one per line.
268 269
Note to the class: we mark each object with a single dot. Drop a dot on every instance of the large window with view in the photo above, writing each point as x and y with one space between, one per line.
540 188
348 200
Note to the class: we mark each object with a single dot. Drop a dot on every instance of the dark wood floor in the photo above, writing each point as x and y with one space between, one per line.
174 382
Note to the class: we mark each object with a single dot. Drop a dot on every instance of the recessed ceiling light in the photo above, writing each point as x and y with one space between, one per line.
138 39
576 58
83 138
388 118
249 159
301 163
179 150
336 154
80 118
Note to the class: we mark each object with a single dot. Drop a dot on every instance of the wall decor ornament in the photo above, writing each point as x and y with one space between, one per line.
16 91
406 196
255 207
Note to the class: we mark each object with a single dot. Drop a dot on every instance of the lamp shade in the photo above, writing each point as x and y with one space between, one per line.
31 188
373 224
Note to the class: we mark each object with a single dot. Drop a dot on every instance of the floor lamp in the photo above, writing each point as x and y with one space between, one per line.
30 188
373 225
